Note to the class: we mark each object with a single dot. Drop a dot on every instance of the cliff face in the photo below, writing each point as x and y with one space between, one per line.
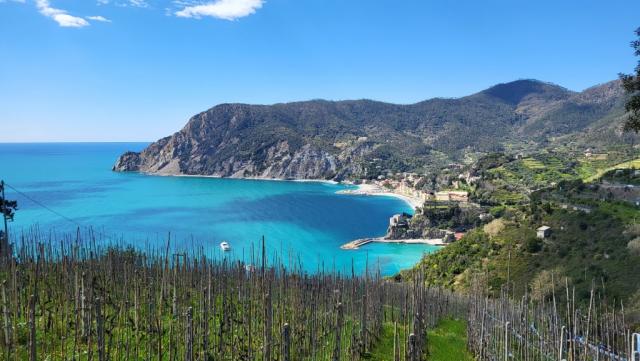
227 141
277 161
336 140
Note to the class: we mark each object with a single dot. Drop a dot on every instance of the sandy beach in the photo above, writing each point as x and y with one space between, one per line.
374 190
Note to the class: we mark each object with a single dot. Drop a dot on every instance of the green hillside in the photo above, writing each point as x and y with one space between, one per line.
594 241
358 139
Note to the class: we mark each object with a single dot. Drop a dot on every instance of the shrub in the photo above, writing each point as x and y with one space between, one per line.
497 211
533 245
494 227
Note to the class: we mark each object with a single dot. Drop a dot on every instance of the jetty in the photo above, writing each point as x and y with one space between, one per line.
356 244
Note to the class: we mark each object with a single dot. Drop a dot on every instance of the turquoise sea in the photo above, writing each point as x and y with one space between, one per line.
305 221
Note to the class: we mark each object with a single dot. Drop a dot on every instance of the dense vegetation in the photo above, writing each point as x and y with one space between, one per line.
631 83
506 180
594 240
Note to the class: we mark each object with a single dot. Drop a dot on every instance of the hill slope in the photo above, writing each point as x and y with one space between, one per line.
363 138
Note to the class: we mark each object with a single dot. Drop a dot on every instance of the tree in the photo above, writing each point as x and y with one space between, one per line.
7 210
631 84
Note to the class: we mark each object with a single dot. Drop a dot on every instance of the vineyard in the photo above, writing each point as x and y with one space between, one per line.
72 299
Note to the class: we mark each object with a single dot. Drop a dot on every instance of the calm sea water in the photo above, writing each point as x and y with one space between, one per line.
305 220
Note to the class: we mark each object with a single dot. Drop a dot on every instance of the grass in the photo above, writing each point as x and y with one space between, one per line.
533 163
383 350
448 342
626 212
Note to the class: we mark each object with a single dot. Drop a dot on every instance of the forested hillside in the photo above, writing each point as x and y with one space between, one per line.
593 241
363 138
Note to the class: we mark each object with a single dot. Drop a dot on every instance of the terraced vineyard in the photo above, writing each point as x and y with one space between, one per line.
65 299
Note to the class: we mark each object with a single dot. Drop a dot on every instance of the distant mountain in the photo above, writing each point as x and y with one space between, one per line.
578 111
362 138
526 91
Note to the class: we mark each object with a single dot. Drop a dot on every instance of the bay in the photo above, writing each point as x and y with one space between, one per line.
71 185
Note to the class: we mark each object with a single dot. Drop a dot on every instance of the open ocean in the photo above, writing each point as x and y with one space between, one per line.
306 221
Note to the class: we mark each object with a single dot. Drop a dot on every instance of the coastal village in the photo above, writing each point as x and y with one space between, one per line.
462 197
404 228
409 187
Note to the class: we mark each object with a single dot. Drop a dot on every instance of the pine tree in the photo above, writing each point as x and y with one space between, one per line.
631 84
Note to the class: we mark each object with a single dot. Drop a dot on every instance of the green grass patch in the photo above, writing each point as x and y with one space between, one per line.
626 212
448 342
533 163
383 350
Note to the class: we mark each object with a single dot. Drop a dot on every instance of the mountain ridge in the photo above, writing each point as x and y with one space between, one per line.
323 139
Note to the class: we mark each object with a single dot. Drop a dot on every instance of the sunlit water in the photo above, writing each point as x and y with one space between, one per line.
302 221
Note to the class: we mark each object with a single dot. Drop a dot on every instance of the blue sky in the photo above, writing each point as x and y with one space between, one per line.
125 70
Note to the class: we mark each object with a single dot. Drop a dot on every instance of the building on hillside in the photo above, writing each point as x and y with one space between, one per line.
452 196
459 196
543 232
449 237
399 220
442 196
485 217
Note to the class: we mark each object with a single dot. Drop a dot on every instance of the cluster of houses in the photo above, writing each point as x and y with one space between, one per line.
404 184
399 230
452 196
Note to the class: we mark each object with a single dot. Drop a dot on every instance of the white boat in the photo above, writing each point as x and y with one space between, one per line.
225 246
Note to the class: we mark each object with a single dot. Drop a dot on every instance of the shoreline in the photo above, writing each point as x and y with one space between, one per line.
374 190
326 181
356 244
361 190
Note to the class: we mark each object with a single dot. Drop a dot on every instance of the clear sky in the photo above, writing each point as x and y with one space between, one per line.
125 70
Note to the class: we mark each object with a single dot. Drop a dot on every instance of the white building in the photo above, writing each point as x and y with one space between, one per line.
543 232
